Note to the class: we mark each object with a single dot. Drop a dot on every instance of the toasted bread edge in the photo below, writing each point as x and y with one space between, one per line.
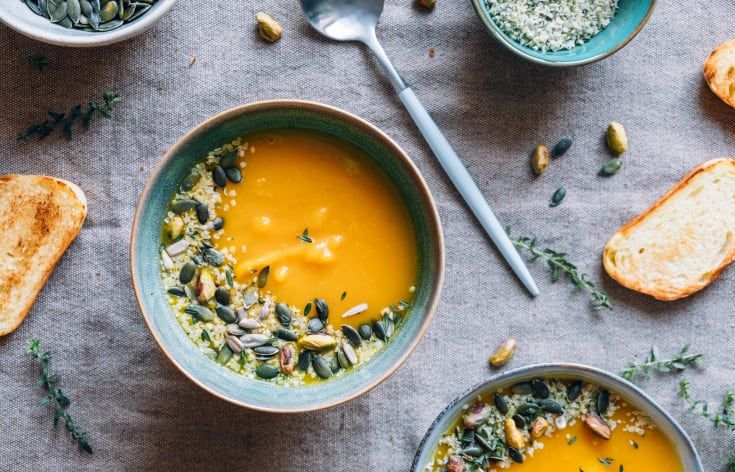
660 293
710 72
26 308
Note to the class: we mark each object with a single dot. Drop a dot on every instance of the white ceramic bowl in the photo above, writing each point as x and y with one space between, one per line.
17 15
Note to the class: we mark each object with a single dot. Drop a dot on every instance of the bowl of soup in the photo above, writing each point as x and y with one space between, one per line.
287 256
555 417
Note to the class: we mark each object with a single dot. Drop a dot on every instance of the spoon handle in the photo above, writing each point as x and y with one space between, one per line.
466 186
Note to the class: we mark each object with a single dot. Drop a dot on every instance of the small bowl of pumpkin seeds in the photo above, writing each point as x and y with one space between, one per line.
82 23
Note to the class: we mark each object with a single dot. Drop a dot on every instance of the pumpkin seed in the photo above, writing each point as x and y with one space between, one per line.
200 312
73 10
234 175
219 177
59 12
213 257
540 388
263 276
468 438
558 196
128 12
183 205
334 365
352 334
250 296
42 6
218 224
108 11
177 291
379 330
34 7
228 160
286 334
94 20
190 181
342 358
366 332
224 354
142 8
226 314
202 213
321 367
266 350
551 406
522 388
519 421
187 272
388 325
610 167
314 325
561 147
307 309
516 455
322 309
528 409
66 22
222 295
472 451
603 402
500 403
304 360
573 390
283 312
266 371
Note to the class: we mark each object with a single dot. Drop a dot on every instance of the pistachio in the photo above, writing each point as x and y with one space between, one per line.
610 167
269 28
205 286
540 159
176 227
598 426
428 3
456 464
513 437
539 427
617 138
504 353
288 358
478 414
317 342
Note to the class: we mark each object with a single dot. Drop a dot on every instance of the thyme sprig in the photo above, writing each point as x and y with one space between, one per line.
55 396
653 362
66 121
37 61
560 266
725 417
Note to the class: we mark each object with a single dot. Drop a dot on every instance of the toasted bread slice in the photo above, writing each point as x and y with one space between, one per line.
719 72
39 218
681 243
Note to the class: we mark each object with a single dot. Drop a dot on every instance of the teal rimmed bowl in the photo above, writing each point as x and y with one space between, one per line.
145 246
633 395
631 17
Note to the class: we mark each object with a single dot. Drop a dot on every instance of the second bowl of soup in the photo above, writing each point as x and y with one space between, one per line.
287 255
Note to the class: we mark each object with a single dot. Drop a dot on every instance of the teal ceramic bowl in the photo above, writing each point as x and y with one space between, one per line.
634 396
145 246
631 17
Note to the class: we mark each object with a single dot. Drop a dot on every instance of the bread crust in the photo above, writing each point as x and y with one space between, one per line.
662 293
719 72
59 218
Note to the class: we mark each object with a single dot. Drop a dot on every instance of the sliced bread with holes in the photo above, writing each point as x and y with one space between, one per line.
683 241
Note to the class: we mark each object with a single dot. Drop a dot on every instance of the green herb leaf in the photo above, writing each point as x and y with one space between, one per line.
342 297
677 363
304 236
55 396
725 417
66 121
560 266
606 461
37 61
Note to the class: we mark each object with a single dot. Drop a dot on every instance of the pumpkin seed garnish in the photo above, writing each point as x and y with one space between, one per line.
266 371
366 332
304 236
573 390
558 196
177 291
321 367
226 314
205 336
224 354
284 314
379 330
90 15
611 167
500 403
234 175
190 181
219 177
263 276
352 335
218 224
540 388
202 213
322 309
603 402
187 272
304 360
307 309
561 147
228 160
212 256
200 312
343 296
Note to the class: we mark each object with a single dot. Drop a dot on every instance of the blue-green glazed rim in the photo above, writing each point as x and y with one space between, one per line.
633 395
631 17
145 246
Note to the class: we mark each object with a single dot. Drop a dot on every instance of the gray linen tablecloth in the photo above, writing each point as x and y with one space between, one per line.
142 414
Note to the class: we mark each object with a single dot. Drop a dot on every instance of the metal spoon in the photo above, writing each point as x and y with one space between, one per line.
355 20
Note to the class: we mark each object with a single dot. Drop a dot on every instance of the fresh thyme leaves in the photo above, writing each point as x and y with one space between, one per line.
55 396
37 61
304 236
725 417
634 443
560 266
66 121
653 362
731 463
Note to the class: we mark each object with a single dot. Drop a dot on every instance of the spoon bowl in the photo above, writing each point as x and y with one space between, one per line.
343 20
